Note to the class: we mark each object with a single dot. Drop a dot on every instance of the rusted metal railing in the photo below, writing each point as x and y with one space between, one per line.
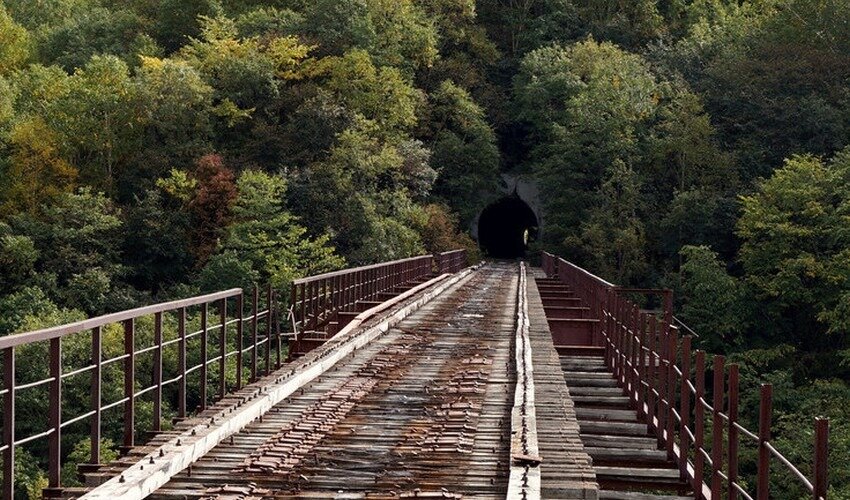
316 299
213 345
701 433
224 338
450 262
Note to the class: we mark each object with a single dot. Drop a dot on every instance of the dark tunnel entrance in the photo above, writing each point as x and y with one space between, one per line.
505 227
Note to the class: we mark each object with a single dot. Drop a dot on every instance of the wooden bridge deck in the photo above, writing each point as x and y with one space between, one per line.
411 378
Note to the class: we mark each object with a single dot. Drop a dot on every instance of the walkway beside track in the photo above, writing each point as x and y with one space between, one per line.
567 470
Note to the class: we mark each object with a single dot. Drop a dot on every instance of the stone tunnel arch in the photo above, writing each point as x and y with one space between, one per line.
506 226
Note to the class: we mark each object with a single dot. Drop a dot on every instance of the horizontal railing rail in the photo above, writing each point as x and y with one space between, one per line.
654 364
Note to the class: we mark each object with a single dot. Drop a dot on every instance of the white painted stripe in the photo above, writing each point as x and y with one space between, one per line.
524 482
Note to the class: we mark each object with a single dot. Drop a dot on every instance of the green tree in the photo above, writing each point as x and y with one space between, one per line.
379 94
269 22
613 237
630 24
18 256
35 15
464 150
247 76
467 56
358 193
14 43
239 71
773 74
588 105
174 107
37 89
8 96
684 151
157 245
97 121
37 173
395 32
264 234
226 270
78 240
796 251
715 304
97 31
520 26
18 305
177 21
697 217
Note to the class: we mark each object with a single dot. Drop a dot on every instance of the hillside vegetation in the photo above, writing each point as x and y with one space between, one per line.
155 149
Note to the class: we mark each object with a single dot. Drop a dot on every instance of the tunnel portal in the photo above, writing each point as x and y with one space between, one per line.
505 227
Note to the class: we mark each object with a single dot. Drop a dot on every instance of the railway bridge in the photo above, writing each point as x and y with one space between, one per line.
425 377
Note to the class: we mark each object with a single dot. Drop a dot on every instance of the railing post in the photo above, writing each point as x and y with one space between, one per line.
668 306
204 356
642 364
345 284
304 307
240 332
699 424
625 353
632 355
640 369
356 286
717 429
672 347
54 445
337 296
181 363
685 407
255 298
222 349
96 377
765 410
278 336
293 305
606 320
269 310
652 386
821 463
622 333
307 305
157 372
9 423
663 397
732 493
129 385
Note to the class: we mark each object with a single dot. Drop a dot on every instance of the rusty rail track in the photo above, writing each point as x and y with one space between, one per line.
525 454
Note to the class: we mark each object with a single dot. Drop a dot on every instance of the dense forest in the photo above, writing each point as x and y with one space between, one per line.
155 149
